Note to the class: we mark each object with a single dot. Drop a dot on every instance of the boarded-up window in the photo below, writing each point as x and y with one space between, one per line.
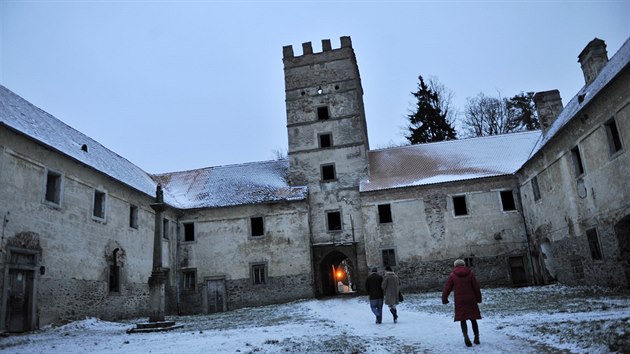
459 205
98 209
384 213
333 219
189 231
578 167
389 257
535 188
53 187
259 274
325 140
614 140
507 201
257 226
189 279
593 243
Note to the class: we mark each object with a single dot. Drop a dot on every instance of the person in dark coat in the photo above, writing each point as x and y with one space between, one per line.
391 288
467 295
375 294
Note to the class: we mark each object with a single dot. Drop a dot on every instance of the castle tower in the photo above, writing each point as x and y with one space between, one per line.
328 147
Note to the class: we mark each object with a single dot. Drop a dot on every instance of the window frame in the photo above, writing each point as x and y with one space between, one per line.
613 136
330 140
188 275
385 213
58 188
185 233
99 197
387 255
133 216
328 223
255 274
322 168
464 197
321 116
513 200
251 226
578 162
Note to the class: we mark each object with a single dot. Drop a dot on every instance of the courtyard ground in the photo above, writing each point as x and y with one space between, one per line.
549 319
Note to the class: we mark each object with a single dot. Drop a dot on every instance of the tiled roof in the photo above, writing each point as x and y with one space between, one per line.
615 65
251 183
448 161
20 115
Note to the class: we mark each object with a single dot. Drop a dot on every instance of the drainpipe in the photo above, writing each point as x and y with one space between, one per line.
527 236
177 263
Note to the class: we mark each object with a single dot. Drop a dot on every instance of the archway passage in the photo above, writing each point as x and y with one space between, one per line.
622 229
335 270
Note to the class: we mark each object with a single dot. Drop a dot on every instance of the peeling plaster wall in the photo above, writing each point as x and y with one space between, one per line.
76 249
224 248
427 237
599 199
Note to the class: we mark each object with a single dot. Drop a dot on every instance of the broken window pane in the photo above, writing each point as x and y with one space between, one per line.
384 213
507 200
577 161
459 205
189 231
328 172
257 226
322 113
614 140
325 140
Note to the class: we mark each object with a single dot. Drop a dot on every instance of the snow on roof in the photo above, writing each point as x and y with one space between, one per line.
250 183
20 115
615 65
448 161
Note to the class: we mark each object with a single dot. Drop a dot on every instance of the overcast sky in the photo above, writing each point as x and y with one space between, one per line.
178 85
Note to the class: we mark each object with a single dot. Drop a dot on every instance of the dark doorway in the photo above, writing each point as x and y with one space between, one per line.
517 270
622 229
216 295
20 300
336 274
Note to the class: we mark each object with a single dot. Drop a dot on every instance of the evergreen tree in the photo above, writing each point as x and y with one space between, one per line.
522 107
429 122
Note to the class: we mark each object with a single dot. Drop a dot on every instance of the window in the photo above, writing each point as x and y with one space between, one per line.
322 113
507 200
389 257
535 188
189 231
166 228
577 161
468 261
133 216
258 274
459 205
114 272
328 172
384 213
614 140
325 140
257 226
333 219
593 243
53 188
189 279
98 209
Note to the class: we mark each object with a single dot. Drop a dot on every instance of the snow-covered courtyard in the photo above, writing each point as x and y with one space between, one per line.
545 319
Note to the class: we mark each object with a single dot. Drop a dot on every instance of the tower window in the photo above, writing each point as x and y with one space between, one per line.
384 213
322 113
507 200
459 205
257 226
189 231
577 161
614 140
328 172
333 218
325 140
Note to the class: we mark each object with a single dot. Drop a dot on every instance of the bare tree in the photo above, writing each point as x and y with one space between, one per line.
485 116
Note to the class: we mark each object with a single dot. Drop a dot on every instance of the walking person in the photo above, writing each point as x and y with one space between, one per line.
391 288
467 295
375 294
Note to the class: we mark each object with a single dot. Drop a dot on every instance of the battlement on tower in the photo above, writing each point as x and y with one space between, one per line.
307 48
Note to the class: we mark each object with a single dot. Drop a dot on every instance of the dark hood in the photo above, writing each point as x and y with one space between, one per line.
461 271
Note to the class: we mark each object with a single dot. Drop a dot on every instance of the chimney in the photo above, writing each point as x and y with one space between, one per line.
549 105
592 59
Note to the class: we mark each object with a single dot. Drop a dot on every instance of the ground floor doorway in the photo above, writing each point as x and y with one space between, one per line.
335 270
19 293
622 229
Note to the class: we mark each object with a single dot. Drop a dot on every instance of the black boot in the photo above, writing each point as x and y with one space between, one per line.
475 331
394 313
467 340
476 340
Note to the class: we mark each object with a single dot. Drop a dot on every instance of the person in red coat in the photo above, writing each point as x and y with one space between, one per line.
467 296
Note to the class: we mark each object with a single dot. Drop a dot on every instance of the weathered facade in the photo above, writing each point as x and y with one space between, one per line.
533 207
